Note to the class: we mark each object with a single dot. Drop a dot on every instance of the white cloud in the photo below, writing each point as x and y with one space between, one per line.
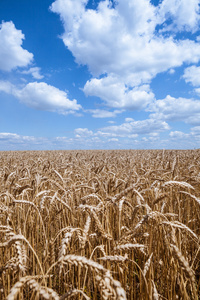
179 135
116 94
12 55
123 40
179 139
85 138
192 75
14 138
101 113
105 134
35 72
154 134
42 96
180 109
195 130
14 141
184 14
8 136
197 91
122 43
83 132
132 136
6 87
137 127
129 119
171 71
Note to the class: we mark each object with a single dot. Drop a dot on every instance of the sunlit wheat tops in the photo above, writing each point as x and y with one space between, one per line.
100 225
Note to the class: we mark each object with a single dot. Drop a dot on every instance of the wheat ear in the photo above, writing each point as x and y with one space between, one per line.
185 266
44 292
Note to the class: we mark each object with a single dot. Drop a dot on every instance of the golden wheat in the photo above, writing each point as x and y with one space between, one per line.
117 224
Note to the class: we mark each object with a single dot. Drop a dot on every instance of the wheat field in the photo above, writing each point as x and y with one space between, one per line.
102 224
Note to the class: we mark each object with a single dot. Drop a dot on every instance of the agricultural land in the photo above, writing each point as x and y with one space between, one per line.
100 224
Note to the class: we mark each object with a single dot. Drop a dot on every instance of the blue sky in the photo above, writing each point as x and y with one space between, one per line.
79 74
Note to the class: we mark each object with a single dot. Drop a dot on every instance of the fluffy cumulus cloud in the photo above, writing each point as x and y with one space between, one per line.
124 37
42 96
12 55
137 127
131 133
83 132
127 44
176 109
117 94
184 14
192 75
126 133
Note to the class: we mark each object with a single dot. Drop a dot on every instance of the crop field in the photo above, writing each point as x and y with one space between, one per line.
102 224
